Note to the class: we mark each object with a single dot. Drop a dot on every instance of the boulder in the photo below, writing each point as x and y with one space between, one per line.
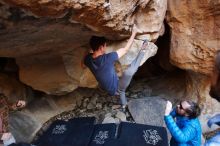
23 126
46 73
148 110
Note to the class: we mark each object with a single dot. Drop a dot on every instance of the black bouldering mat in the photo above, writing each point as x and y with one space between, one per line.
75 132
131 134
81 132
55 134
103 133
116 142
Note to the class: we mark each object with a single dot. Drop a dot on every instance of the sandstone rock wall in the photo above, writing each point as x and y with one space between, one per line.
108 17
195 34
12 88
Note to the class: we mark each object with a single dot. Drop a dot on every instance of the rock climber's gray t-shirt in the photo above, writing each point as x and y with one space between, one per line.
103 69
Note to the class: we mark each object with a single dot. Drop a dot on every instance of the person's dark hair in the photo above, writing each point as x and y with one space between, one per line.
194 110
96 41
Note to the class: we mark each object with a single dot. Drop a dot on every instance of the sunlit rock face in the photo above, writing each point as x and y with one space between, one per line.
112 17
195 33
195 38
49 38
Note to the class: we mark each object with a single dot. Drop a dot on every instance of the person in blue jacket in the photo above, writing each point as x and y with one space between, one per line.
215 140
183 124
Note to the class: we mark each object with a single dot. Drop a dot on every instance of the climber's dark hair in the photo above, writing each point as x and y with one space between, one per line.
96 41
194 110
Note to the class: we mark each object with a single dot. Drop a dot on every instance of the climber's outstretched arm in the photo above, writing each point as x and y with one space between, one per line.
122 51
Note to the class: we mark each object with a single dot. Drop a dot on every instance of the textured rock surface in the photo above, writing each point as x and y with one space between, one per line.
109 20
195 28
46 73
12 88
149 110
73 64
23 125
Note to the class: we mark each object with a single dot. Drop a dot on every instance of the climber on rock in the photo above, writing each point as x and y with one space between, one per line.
102 65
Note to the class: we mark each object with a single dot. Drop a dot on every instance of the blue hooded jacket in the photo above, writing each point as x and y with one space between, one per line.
184 131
